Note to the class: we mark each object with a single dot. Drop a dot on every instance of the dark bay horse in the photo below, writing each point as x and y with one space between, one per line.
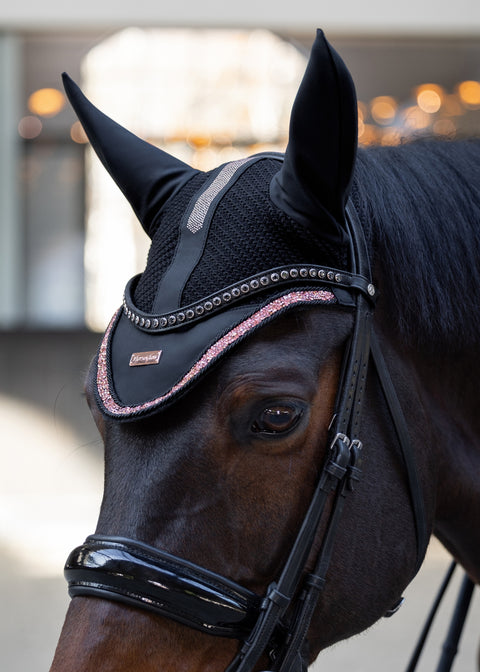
240 412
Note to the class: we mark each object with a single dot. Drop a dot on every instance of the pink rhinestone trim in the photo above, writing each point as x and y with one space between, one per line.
213 353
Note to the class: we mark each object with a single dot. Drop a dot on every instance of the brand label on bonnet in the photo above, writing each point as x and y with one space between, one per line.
145 358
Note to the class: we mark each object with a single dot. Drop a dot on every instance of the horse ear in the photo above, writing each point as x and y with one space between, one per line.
147 176
313 184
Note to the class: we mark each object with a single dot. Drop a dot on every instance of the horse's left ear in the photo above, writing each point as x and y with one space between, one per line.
313 184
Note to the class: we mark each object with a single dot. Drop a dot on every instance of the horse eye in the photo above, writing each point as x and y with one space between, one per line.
277 419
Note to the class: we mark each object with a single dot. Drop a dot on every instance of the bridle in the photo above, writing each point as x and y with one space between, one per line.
276 624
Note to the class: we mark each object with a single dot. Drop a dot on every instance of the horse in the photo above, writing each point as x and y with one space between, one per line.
287 397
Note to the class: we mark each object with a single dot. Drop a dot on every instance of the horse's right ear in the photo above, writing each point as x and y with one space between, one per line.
313 184
147 176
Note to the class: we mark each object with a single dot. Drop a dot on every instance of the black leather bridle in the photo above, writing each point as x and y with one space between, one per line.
277 623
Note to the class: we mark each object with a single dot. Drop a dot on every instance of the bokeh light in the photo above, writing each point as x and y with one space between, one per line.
429 97
391 137
46 102
432 110
77 133
362 110
469 92
416 119
29 127
383 109
369 134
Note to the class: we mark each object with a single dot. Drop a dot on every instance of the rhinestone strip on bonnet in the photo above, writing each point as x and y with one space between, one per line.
199 212
211 355
231 294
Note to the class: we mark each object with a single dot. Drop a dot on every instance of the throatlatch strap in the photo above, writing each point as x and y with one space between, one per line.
362 266
400 425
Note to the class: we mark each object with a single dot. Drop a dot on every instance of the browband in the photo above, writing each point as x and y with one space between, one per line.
126 390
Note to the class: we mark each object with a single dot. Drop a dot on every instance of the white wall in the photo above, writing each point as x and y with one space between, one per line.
424 17
11 286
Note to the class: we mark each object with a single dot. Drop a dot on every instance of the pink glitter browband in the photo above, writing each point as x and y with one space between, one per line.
213 353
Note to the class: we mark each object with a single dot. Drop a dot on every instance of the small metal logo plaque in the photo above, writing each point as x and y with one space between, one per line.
145 358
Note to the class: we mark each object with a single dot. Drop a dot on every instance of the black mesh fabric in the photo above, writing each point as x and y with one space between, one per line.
164 242
248 234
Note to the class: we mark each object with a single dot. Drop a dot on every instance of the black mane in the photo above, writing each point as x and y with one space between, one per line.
421 202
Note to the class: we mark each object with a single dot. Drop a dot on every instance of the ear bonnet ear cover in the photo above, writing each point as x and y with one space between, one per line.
314 182
146 175
225 257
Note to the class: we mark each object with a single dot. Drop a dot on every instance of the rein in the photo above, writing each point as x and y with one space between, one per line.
277 623
450 645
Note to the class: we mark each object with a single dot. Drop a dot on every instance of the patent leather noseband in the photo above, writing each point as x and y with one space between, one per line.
277 623
134 573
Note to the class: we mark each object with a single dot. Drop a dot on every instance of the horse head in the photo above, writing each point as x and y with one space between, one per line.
219 392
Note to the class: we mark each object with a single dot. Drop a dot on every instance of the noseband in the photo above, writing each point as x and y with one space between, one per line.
276 624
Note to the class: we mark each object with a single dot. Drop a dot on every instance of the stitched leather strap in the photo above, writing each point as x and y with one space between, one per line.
401 430
346 427
361 265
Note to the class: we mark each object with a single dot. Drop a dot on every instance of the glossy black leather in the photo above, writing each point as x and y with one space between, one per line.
180 351
130 572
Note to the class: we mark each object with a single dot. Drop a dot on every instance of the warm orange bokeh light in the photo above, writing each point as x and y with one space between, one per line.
383 109
430 97
362 111
78 134
469 93
199 141
391 137
46 102
361 128
416 119
369 135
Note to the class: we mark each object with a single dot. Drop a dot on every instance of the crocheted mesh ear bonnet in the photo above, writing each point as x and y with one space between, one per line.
248 233
231 248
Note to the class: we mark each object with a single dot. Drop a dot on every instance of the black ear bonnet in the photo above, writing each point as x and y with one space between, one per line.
231 248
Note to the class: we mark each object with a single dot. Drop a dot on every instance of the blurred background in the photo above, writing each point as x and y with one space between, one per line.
209 82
